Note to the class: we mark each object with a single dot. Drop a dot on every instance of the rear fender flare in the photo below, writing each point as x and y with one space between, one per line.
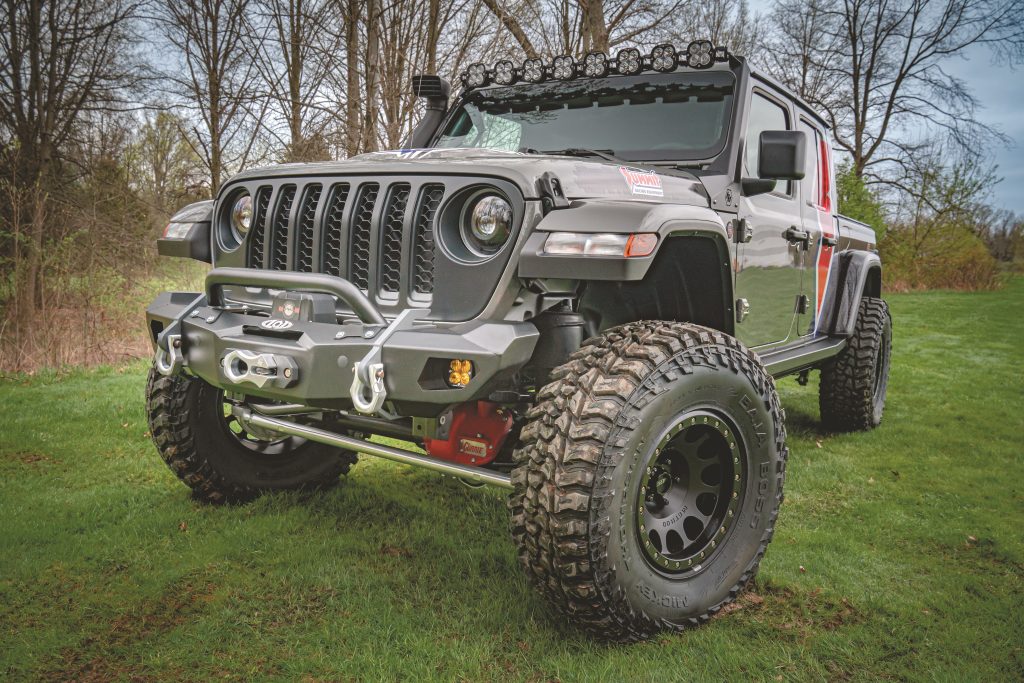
857 274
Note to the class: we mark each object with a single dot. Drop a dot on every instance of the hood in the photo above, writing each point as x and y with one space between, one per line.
581 178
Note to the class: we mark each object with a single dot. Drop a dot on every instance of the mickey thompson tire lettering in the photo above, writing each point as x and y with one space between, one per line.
184 415
582 455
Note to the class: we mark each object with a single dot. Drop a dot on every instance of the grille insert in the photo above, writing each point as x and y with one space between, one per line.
334 230
362 225
423 239
377 233
279 228
304 237
258 229
391 238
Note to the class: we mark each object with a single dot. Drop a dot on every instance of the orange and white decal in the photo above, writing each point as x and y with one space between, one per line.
828 226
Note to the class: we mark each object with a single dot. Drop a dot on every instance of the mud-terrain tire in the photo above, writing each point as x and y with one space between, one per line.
188 426
642 400
853 386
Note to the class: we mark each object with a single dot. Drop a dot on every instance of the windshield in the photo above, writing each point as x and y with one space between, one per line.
652 117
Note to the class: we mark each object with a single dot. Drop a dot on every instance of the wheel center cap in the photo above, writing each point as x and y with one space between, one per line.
662 482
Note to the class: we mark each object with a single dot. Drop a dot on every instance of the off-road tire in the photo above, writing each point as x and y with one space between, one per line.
183 414
853 386
582 454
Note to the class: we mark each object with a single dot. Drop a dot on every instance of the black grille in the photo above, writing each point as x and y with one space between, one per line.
362 225
334 233
279 229
423 239
391 238
368 232
259 216
304 236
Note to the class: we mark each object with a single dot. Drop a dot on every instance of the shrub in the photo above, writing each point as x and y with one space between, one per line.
947 257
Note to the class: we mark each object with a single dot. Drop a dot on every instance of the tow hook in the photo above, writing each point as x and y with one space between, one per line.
368 405
368 392
169 362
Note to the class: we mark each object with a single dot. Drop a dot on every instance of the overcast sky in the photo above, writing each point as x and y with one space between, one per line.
1000 91
1000 94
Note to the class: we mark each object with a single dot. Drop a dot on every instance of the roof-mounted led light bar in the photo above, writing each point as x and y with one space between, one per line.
700 54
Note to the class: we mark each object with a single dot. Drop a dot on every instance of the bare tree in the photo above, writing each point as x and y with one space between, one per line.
162 166
801 52
60 61
215 78
579 26
294 51
726 22
876 68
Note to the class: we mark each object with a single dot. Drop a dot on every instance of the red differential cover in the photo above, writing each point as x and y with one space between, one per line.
476 433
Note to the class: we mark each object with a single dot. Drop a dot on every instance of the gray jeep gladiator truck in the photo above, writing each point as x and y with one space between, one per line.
578 283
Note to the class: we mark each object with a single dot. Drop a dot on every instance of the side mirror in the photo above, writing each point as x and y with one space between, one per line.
782 155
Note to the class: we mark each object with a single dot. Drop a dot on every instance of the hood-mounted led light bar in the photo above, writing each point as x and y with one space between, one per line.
700 54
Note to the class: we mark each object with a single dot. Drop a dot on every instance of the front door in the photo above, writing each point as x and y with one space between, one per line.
770 265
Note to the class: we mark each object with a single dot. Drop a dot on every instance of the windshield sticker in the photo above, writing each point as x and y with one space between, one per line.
641 182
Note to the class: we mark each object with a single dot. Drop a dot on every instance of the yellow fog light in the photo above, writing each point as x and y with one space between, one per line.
460 372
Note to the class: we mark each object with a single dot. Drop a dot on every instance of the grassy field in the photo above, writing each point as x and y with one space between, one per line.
899 553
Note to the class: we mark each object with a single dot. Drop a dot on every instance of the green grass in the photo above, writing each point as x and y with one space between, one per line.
899 553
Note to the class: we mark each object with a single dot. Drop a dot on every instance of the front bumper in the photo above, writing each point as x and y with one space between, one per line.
315 363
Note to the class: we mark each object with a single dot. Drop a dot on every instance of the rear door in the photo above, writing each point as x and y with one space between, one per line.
768 267
817 204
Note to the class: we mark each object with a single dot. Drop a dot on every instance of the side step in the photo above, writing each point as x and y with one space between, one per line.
476 474
793 359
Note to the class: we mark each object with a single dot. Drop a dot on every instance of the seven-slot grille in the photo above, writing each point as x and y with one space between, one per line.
380 236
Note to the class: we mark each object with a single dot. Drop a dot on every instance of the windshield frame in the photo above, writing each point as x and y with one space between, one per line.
702 156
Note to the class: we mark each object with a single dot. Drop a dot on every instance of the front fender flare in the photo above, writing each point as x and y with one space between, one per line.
619 217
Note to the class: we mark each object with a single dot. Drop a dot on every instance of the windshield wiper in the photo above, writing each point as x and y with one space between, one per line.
606 154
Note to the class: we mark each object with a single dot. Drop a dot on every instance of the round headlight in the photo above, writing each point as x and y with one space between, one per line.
241 215
487 224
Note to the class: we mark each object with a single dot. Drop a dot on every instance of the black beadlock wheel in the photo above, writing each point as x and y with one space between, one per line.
853 386
648 479
222 459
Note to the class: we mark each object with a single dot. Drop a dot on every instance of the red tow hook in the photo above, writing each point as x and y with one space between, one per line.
475 434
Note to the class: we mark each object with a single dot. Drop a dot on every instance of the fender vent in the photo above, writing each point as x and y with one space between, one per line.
304 238
279 241
259 235
359 253
423 239
333 230
391 238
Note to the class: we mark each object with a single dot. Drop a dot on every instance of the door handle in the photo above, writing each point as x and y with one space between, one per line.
829 241
795 234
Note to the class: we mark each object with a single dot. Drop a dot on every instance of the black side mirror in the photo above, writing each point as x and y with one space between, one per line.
782 155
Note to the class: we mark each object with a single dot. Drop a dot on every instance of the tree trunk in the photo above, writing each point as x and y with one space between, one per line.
352 127
369 134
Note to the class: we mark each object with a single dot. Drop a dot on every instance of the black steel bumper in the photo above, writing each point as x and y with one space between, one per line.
316 363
